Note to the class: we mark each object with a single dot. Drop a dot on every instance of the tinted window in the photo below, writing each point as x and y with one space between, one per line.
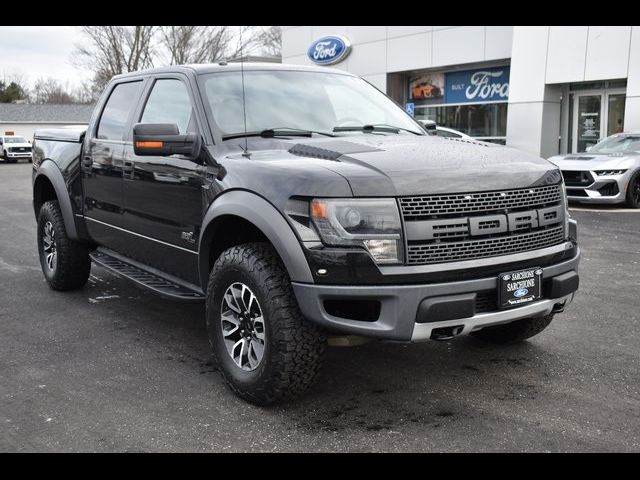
114 117
168 103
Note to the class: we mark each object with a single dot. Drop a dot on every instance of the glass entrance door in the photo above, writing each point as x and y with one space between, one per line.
596 115
589 112
615 113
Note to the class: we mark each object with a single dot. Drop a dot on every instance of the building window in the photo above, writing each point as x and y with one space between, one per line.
486 121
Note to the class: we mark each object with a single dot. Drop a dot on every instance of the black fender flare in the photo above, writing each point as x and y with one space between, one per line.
267 219
50 170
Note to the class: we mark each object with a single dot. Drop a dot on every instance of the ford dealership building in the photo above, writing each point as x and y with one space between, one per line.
546 89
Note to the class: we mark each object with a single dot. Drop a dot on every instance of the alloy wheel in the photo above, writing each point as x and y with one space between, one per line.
49 246
243 326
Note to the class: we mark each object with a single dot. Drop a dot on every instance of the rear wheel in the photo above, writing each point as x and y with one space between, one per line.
633 191
264 348
515 331
65 262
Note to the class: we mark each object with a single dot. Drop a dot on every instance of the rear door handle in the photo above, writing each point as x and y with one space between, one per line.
128 169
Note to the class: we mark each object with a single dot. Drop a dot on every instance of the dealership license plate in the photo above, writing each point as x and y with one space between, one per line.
520 287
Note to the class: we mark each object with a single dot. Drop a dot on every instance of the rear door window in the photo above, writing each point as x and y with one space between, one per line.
115 115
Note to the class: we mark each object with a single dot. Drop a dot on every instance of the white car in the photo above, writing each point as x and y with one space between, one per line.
609 172
451 133
432 129
14 148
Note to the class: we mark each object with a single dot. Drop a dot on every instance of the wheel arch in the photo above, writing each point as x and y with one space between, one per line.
48 185
265 218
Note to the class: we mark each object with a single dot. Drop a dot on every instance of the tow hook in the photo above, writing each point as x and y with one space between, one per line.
446 333
559 307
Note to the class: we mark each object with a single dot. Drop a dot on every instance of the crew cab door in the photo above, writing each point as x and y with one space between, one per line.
102 161
163 194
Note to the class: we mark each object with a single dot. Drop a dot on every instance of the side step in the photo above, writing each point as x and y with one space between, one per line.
147 277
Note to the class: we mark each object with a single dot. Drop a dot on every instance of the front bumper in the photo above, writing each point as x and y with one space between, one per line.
400 304
605 189
19 155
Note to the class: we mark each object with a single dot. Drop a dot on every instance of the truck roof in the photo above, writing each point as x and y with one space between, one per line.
204 68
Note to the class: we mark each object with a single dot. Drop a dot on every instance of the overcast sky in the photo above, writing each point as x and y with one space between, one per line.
40 52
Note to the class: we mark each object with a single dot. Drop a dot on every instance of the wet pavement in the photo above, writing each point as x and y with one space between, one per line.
113 367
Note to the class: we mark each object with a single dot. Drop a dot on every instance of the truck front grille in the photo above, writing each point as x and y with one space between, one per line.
449 228
492 247
462 203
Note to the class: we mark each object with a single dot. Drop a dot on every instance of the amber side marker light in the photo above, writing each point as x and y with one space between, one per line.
318 209
148 144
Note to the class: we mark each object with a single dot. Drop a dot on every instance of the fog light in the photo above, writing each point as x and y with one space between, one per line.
383 251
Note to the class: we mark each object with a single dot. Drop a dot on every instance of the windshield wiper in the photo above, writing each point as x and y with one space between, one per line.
379 127
278 132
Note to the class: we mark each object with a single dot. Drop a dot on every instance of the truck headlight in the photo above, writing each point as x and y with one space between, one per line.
370 223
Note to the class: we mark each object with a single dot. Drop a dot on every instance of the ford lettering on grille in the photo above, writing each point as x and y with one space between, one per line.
478 225
483 225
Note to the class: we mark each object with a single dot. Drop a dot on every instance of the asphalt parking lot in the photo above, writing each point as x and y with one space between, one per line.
112 367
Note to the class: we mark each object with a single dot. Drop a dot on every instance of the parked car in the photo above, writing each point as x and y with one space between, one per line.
296 218
428 125
608 173
451 133
433 129
14 148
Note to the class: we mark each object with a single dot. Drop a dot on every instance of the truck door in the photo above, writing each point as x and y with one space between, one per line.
102 165
163 195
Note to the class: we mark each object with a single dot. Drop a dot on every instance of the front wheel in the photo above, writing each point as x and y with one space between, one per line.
633 191
65 262
264 348
514 332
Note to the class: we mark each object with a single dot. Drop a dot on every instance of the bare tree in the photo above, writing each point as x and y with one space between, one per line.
195 43
50 90
207 44
268 40
111 50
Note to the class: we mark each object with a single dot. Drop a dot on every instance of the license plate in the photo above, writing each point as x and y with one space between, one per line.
520 287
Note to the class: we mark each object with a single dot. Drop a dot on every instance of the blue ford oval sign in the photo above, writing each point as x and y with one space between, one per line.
329 50
521 292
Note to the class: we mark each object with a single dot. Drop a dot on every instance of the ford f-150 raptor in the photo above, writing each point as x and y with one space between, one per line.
301 204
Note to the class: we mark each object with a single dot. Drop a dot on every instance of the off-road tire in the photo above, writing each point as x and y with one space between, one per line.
73 264
633 200
294 347
514 332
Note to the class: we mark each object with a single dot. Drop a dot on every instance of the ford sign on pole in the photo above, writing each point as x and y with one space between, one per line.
329 50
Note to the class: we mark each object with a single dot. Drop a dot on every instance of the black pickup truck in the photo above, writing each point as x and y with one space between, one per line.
301 204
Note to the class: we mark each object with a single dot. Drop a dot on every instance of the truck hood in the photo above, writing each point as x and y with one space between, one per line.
595 161
399 165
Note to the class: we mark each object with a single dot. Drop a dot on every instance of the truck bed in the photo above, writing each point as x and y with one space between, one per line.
73 134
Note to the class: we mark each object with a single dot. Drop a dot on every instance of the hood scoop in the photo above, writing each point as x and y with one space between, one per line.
463 140
330 150
579 158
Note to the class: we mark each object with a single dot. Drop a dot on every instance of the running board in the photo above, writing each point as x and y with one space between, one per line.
147 277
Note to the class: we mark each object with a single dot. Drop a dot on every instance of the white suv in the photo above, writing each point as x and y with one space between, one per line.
15 148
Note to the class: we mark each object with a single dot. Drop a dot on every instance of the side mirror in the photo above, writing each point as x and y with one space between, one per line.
163 140
429 126
588 148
